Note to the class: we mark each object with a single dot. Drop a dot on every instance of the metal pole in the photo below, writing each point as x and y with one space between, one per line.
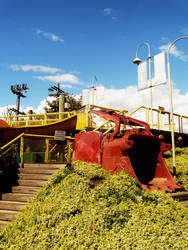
17 106
171 118
46 158
61 106
93 89
171 104
22 151
150 77
150 85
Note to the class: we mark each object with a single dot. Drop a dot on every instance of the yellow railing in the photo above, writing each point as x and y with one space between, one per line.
161 119
36 119
8 148
106 124
11 142
84 117
47 138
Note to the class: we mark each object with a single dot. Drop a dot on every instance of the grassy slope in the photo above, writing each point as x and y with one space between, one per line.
181 165
87 208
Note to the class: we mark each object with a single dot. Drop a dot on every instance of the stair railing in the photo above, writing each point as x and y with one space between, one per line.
35 119
8 148
160 123
47 138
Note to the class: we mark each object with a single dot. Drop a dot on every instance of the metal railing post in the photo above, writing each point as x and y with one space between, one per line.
69 151
87 109
46 158
22 151
45 118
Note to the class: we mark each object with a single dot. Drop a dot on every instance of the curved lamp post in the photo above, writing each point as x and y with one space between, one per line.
93 87
137 61
171 103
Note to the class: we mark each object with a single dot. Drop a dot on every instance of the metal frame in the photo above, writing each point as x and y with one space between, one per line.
47 137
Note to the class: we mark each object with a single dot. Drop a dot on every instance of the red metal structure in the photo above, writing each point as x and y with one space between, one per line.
135 150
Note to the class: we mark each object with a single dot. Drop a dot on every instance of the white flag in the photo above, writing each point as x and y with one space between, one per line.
99 94
142 76
86 96
159 69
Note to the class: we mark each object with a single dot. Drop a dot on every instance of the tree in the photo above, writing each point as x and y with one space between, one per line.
73 103
70 103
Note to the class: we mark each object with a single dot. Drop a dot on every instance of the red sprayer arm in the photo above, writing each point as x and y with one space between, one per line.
120 119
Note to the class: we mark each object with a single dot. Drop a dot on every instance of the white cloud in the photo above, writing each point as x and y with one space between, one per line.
4 110
185 31
130 99
108 11
66 86
14 67
164 39
74 72
174 51
70 78
50 36
43 104
38 31
34 68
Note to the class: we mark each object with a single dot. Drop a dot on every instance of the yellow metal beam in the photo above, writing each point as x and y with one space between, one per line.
46 157
22 151
12 141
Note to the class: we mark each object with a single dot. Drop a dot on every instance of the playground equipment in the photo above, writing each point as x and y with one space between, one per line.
129 146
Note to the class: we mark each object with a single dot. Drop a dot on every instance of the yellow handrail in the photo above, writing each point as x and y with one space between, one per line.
101 107
159 117
41 136
12 141
107 121
3 153
43 118
134 111
53 148
21 137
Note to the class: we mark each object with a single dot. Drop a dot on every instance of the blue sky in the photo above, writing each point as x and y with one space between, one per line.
69 41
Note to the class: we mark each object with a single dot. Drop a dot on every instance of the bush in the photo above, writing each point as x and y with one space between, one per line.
88 208
181 165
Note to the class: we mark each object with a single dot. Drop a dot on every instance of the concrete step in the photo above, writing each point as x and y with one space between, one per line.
37 170
43 165
16 197
30 179
3 224
33 183
25 189
184 203
11 205
181 196
8 215
33 176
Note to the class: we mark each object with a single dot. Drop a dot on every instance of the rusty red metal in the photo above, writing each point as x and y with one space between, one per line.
88 147
136 151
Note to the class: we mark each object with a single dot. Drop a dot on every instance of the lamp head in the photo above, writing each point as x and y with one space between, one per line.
137 61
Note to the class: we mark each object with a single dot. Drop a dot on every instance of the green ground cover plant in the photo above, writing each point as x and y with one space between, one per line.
181 165
85 207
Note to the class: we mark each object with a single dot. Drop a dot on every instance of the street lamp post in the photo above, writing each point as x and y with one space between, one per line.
137 61
171 103
93 88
